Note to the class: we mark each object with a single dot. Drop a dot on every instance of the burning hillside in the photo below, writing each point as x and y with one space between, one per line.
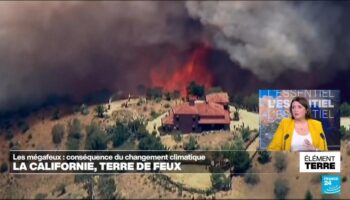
178 78
75 49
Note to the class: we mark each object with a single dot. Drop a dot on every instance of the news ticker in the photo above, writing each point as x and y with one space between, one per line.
112 161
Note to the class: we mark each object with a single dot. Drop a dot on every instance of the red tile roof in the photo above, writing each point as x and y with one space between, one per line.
220 97
168 120
214 121
209 113
185 109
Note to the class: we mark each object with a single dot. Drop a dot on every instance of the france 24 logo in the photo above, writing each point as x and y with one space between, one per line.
331 184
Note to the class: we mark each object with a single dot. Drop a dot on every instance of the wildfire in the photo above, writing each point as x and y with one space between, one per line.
195 69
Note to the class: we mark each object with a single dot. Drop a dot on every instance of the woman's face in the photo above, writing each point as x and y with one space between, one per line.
298 110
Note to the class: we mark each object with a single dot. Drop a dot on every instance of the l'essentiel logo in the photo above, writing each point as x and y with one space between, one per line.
331 184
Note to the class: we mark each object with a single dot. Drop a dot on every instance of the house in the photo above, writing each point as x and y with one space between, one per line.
197 116
219 97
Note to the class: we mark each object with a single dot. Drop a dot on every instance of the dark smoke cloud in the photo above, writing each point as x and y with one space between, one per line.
270 38
74 48
77 48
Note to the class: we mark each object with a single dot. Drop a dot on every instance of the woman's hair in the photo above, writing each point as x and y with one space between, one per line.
304 102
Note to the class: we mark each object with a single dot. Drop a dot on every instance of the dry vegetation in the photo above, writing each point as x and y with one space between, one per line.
142 185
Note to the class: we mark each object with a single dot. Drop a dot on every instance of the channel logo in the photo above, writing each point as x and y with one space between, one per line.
331 184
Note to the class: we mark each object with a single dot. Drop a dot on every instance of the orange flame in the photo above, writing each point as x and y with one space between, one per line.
195 69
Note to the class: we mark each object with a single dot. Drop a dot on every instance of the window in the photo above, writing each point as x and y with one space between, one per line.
194 117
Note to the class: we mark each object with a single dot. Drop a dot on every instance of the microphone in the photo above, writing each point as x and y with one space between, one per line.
324 140
284 141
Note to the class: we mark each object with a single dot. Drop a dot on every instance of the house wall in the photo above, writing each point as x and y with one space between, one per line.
186 123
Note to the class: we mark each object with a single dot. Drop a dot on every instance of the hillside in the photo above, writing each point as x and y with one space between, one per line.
38 136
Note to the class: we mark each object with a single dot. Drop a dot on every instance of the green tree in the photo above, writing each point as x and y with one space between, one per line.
57 133
100 110
281 188
251 102
154 93
192 144
236 100
238 157
194 89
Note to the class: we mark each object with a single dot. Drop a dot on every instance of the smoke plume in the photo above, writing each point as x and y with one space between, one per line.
77 48
269 38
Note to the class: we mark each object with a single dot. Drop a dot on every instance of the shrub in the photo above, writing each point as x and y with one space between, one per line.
264 157
3 167
119 134
74 135
344 133
154 114
281 188
308 195
150 142
57 133
177 136
251 178
61 188
56 114
40 196
84 109
280 161
192 144
236 116
75 129
219 181
95 138
345 110
245 132
100 110
344 179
